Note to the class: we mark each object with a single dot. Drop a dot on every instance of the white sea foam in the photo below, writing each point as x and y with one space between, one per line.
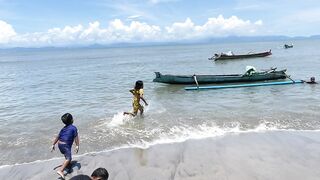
33 162
179 134
119 119
183 133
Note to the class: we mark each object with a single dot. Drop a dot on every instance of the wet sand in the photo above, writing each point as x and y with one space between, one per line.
270 155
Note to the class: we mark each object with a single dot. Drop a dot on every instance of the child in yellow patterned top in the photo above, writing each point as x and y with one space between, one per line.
137 95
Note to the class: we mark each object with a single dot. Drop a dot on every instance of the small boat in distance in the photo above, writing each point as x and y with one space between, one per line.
223 56
271 74
286 46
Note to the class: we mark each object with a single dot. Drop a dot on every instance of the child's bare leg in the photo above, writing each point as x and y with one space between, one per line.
64 165
141 110
129 113
134 113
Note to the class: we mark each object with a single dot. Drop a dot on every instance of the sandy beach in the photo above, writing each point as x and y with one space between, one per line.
269 155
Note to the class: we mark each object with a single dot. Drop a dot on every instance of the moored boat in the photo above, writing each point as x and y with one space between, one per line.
286 46
224 56
207 79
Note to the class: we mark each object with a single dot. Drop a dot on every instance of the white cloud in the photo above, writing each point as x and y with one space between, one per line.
214 27
117 31
6 32
136 31
181 30
134 17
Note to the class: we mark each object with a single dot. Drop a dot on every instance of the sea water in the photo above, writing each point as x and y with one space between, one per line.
37 86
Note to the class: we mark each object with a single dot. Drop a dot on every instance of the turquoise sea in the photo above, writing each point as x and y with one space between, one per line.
37 86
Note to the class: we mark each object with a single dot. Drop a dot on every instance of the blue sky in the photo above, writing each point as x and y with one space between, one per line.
68 22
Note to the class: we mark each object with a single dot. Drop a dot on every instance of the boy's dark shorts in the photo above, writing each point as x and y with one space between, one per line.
65 149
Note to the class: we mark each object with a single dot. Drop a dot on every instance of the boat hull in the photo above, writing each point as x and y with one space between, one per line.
208 79
288 46
244 85
243 56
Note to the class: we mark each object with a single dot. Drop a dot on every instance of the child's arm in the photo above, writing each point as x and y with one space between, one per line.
77 143
131 90
54 143
145 102
141 97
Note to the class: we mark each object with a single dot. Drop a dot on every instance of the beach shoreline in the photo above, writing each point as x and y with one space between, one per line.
262 155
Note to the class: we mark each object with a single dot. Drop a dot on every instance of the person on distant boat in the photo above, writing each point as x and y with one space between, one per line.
250 70
68 134
137 95
286 46
230 53
312 81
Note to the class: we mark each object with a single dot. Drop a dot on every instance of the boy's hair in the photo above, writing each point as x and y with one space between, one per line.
80 177
139 85
101 173
67 119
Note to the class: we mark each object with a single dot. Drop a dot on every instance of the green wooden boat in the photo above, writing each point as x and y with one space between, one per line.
207 79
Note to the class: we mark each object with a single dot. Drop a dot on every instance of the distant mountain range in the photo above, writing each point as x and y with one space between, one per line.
229 39
258 38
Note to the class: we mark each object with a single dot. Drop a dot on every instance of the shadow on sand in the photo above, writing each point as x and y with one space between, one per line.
70 167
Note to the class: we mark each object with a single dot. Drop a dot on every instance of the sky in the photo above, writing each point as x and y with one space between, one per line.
38 23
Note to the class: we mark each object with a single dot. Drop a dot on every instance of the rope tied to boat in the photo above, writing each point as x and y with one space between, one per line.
195 79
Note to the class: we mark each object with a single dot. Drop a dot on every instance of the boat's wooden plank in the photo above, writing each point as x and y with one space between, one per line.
244 85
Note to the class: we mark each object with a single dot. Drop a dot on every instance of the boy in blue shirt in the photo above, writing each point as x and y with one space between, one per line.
67 135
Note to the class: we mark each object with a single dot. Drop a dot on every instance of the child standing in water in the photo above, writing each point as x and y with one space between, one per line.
68 134
137 95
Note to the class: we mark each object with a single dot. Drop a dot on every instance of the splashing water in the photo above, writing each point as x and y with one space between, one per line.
120 119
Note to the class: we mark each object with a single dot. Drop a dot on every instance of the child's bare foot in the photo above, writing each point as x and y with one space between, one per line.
61 174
